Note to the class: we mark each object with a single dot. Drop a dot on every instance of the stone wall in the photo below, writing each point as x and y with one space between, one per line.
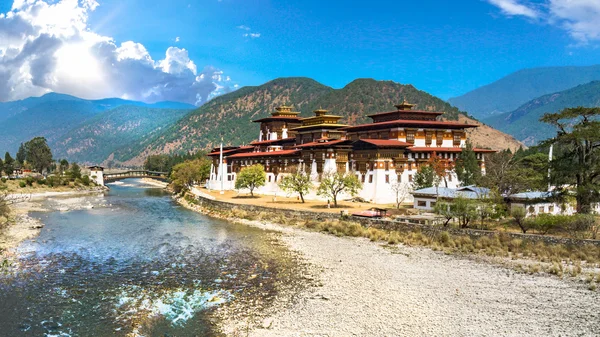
388 224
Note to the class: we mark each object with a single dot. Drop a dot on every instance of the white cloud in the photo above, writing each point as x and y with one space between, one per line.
177 39
252 35
47 46
513 7
580 18
242 27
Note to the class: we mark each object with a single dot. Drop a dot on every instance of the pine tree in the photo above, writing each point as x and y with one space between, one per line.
9 164
467 166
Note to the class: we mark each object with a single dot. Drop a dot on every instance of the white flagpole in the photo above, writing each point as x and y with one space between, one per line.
221 165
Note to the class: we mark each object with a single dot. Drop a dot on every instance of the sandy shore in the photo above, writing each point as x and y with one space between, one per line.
371 289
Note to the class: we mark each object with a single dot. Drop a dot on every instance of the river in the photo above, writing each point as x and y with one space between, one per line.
132 262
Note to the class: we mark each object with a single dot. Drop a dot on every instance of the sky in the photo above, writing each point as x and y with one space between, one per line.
192 51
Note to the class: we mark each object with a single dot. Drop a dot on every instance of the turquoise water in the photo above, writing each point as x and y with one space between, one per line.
130 262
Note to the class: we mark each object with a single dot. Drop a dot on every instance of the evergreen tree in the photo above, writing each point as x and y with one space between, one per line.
63 166
75 171
467 166
424 177
21 155
1 166
9 164
577 149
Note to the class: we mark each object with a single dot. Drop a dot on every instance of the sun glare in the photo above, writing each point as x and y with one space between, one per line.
75 62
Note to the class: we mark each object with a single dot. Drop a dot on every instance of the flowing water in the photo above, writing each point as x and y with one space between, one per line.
133 262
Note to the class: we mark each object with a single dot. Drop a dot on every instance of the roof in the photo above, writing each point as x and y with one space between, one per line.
384 142
534 195
278 118
231 150
264 154
469 192
445 149
267 142
410 122
323 144
406 112
320 126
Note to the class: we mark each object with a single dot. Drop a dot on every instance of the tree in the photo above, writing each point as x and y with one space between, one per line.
21 155
75 171
297 182
519 214
424 177
577 160
401 191
444 209
251 177
516 173
334 183
38 154
467 166
63 166
9 164
464 210
440 169
1 166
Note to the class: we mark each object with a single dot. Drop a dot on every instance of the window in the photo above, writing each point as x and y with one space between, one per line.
399 178
387 178
541 209
428 138
550 209
362 178
457 138
370 179
422 203
269 178
410 136
439 138
531 209
410 178
432 204
387 165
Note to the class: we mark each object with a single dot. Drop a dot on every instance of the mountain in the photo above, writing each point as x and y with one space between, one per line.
231 115
53 115
516 89
524 122
96 139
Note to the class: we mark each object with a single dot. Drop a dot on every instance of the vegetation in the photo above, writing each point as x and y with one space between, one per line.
296 182
251 177
424 177
467 166
37 154
401 191
9 164
577 160
335 183
186 174
165 163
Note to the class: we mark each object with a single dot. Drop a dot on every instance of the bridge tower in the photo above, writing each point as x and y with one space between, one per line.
97 174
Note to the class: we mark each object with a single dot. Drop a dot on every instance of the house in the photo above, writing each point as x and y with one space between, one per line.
387 151
426 198
539 202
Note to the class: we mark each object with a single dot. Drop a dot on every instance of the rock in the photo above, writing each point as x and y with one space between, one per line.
37 226
267 323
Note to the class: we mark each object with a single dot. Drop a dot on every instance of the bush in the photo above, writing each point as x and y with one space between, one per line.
85 180
22 184
29 181
41 182
4 180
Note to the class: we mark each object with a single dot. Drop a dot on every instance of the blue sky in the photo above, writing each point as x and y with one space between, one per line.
443 47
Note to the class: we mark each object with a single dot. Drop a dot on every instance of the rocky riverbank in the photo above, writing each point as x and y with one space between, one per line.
362 288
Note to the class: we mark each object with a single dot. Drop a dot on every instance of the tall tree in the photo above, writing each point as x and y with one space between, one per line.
63 166
186 174
512 174
297 182
75 171
21 155
577 148
467 166
335 183
1 166
251 177
9 164
425 177
38 154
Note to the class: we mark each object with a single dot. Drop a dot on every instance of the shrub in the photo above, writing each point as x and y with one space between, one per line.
4 180
22 184
41 182
85 180
29 181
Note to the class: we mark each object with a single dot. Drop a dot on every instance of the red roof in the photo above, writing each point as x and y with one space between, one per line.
329 143
280 118
422 112
445 149
415 123
265 142
385 142
264 154
237 149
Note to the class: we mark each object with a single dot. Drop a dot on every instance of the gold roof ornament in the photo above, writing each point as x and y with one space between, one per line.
404 106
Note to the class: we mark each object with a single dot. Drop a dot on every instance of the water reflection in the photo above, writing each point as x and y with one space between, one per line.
133 263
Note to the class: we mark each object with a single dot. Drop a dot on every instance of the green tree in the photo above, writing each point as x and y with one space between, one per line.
21 155
75 171
251 177
444 209
186 174
297 182
1 166
9 164
335 183
467 166
519 214
424 177
577 160
63 166
464 210
38 154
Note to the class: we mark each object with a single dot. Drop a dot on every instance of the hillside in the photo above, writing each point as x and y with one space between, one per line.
231 115
524 122
516 89
53 115
96 139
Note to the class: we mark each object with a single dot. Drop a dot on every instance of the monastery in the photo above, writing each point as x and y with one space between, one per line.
385 153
